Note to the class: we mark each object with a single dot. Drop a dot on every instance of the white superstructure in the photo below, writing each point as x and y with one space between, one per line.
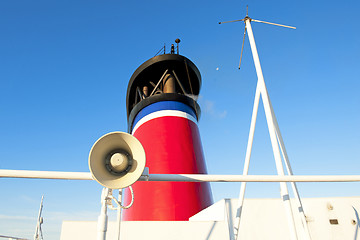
327 218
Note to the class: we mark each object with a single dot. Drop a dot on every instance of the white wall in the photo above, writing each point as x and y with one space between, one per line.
262 219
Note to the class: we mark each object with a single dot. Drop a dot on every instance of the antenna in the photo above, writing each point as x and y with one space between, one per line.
163 48
38 231
177 45
247 18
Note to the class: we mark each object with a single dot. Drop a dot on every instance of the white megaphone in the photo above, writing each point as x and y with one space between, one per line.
117 160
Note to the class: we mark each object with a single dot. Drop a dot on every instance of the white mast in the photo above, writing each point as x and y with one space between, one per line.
275 137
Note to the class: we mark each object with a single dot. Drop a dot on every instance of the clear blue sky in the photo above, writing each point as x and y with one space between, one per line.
65 66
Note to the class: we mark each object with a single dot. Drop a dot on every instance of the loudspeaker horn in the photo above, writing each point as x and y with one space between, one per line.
117 160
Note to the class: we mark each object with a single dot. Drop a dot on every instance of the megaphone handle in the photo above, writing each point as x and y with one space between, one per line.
119 202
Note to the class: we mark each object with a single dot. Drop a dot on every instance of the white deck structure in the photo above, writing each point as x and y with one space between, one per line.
327 218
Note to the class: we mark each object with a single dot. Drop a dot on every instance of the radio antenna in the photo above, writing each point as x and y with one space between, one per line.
247 18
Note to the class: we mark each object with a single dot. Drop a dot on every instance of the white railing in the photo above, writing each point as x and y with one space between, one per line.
184 177
102 221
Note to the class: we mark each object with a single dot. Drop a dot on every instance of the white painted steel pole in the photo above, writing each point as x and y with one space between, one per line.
290 172
37 230
103 218
119 212
228 219
270 123
247 161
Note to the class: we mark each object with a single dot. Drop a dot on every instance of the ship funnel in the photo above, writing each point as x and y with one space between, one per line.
163 114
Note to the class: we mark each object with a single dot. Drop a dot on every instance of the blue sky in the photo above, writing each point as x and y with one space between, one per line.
65 66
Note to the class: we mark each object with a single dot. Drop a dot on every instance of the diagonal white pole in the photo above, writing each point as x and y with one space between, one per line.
247 161
38 224
290 172
272 132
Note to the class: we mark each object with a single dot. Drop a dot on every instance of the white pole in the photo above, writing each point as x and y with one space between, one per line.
103 218
37 230
119 211
229 222
265 97
290 172
247 161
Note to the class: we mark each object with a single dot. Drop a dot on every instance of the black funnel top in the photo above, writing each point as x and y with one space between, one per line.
146 82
